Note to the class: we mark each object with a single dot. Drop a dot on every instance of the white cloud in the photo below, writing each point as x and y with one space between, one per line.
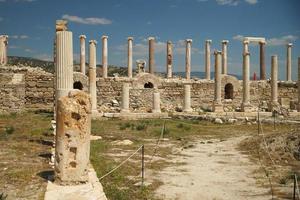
89 20
45 57
180 48
252 2
19 37
281 40
228 2
238 37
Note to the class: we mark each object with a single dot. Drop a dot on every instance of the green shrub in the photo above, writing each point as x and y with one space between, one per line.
180 125
3 196
141 127
9 130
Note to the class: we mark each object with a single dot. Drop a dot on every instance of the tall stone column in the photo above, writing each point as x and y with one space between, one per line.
169 59
125 98
262 61
217 104
92 75
246 85
3 49
64 63
274 85
207 59
289 62
224 56
188 58
104 56
82 53
129 58
187 98
151 55
156 103
298 84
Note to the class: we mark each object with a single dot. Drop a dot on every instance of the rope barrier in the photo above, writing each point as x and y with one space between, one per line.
117 167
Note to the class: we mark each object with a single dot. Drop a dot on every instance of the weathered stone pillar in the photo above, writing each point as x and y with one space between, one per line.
207 59
246 85
92 75
188 58
156 102
187 98
125 98
224 56
104 56
289 62
129 59
64 63
262 61
274 85
3 49
169 59
72 149
151 55
82 53
217 104
298 84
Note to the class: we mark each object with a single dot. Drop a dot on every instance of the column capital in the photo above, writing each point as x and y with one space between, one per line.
246 42
262 42
93 42
208 41
289 45
130 38
225 41
216 52
104 37
82 36
151 38
169 42
189 40
4 36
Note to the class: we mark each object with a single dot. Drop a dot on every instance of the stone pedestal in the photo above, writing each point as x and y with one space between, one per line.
82 53
151 55
169 59
246 107
92 75
3 49
72 148
156 103
274 85
289 62
64 63
207 59
187 98
125 98
188 58
217 103
104 56
224 56
262 61
129 59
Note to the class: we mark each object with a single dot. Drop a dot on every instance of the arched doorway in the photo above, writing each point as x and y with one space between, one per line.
77 85
148 85
228 91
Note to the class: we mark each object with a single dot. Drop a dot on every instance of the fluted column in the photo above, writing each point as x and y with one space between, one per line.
217 104
262 61
274 85
3 49
187 98
169 59
92 75
298 84
64 63
104 56
188 58
151 55
224 56
156 103
289 62
246 87
207 59
82 53
129 58
125 98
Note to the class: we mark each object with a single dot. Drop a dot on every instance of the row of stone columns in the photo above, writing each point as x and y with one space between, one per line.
3 49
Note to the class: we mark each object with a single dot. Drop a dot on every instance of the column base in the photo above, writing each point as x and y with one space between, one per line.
274 105
217 107
246 107
156 111
188 110
125 111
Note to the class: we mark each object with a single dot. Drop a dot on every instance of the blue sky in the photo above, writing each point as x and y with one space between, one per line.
31 26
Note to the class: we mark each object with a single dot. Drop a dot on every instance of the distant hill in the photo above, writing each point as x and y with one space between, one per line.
46 65
201 75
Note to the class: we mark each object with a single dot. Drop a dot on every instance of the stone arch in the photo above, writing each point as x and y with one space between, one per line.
77 85
229 91
144 80
79 78
148 85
